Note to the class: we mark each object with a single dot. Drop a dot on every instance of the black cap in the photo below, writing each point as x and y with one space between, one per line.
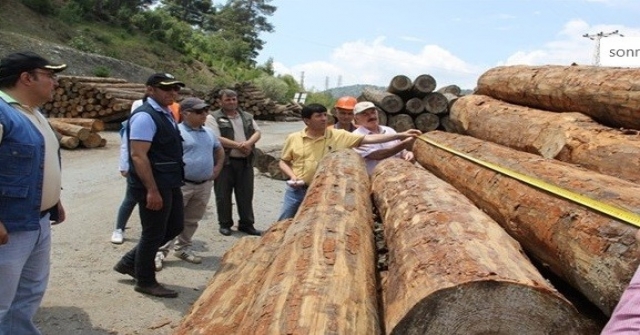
16 63
163 79
193 104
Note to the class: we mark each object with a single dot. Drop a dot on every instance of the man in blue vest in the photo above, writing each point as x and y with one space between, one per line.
30 182
155 177
238 133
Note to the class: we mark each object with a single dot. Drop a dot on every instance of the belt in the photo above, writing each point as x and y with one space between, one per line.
195 182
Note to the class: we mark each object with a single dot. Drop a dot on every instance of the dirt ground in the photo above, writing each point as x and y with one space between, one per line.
85 296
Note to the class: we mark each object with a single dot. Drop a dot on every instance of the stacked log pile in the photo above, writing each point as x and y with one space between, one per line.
105 99
408 104
253 100
79 132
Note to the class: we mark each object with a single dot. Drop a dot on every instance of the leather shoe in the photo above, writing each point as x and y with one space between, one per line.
225 231
251 231
125 270
156 290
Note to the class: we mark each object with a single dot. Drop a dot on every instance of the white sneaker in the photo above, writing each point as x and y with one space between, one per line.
158 260
188 256
117 237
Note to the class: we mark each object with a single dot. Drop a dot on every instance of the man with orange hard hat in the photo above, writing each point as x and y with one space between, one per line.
343 111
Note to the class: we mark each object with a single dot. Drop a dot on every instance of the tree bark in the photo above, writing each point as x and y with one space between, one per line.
322 280
569 137
450 263
609 95
389 102
223 305
593 252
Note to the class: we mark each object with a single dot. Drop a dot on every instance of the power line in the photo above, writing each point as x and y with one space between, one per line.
597 37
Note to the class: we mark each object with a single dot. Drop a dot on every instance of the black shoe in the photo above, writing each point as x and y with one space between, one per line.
250 231
125 270
225 231
156 290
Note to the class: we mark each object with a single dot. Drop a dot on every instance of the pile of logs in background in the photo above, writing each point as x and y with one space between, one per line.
467 247
413 104
108 101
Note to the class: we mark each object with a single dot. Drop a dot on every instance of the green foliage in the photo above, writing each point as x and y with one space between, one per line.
322 98
71 13
45 7
84 43
292 85
274 88
101 71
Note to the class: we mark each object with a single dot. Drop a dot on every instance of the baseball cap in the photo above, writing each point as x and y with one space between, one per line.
16 63
363 106
163 79
193 103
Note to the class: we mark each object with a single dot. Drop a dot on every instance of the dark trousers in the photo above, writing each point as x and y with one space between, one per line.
158 227
235 177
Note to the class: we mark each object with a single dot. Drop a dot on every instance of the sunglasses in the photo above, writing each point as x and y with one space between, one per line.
169 88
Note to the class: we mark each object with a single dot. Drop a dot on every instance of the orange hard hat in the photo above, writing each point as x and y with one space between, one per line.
346 103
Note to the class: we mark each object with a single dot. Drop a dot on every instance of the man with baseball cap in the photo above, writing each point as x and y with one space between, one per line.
30 186
203 158
366 115
155 177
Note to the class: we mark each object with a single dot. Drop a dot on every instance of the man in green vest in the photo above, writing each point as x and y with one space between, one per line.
238 132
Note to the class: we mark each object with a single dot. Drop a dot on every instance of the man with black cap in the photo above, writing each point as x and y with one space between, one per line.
30 185
155 177
203 158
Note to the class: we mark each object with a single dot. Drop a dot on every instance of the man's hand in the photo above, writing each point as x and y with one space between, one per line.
244 147
4 235
154 200
411 133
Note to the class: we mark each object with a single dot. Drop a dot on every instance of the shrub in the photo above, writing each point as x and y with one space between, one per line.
101 71
44 7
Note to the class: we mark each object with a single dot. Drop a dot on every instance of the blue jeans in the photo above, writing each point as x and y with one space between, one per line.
292 199
24 274
125 210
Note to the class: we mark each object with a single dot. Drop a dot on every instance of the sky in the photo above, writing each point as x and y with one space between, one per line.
332 43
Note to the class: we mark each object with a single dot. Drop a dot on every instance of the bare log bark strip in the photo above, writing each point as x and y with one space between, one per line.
467 263
322 280
223 305
594 253
569 137
609 95
389 102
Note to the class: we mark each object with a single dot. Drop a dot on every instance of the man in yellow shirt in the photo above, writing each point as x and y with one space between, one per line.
303 151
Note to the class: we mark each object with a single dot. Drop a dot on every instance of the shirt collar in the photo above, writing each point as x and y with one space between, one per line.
6 97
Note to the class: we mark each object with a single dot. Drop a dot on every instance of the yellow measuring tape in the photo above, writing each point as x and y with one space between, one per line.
616 212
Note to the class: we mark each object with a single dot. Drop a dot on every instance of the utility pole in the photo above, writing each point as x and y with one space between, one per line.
597 37
302 80
326 83
339 81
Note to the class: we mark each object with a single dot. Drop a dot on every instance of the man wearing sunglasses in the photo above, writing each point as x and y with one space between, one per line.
155 177
30 179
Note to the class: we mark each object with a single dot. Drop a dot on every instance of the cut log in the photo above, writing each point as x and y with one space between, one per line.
93 125
92 141
322 280
68 129
426 122
423 85
69 142
400 85
389 102
223 305
593 252
451 264
609 95
382 117
414 106
436 103
569 137
451 89
401 122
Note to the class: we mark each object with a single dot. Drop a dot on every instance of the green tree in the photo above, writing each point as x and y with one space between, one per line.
198 13
246 19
